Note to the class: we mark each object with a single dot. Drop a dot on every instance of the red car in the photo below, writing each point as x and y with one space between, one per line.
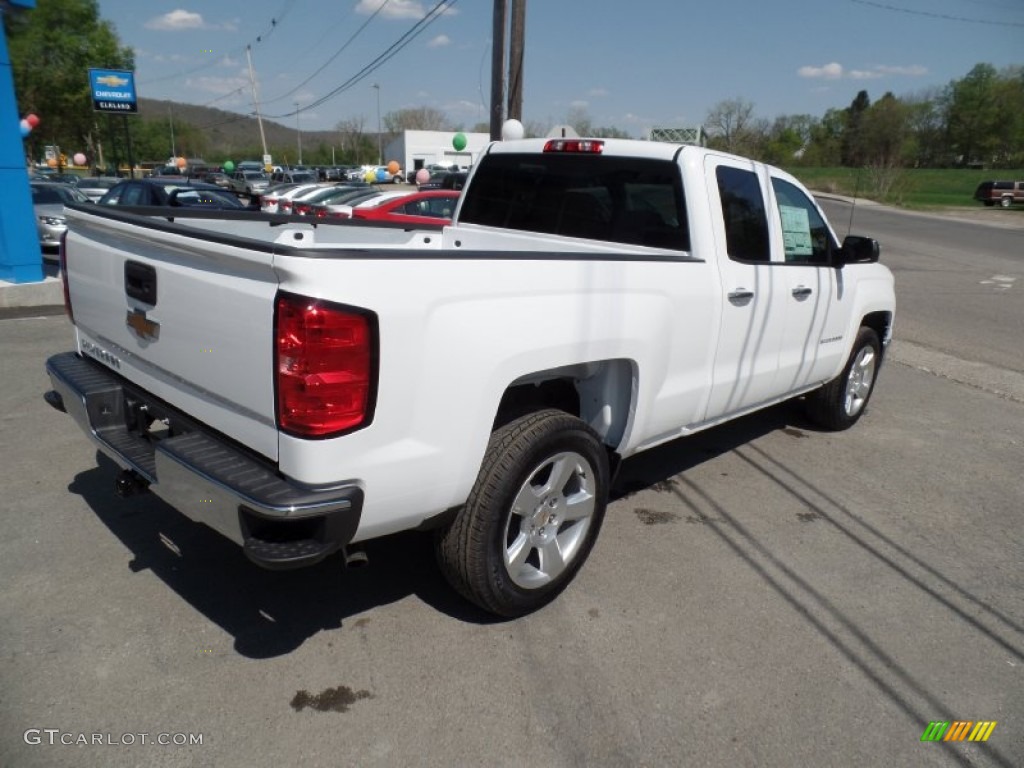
417 208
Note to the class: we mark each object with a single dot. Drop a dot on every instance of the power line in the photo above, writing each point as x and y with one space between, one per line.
337 53
417 29
933 15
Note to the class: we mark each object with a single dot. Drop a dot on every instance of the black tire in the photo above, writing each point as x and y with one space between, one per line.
512 560
840 403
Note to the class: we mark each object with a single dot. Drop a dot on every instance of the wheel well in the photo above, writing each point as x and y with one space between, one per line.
599 393
880 323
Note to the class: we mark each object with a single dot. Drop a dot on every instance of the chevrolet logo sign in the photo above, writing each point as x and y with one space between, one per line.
112 81
145 329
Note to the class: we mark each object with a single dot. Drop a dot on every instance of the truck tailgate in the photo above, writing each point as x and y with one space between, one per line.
189 320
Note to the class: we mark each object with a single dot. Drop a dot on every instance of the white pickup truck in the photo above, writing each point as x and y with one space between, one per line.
301 387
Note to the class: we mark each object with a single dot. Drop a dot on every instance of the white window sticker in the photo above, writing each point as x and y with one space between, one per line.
796 231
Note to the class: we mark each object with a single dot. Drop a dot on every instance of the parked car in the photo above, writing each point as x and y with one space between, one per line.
433 207
171 191
279 199
306 203
249 182
294 177
445 180
219 178
1005 193
48 199
95 187
343 209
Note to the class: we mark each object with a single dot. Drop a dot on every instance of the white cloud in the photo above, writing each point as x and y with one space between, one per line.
176 20
439 42
217 85
398 9
835 71
597 92
579 104
832 71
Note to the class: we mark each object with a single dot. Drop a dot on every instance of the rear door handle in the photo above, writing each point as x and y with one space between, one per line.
802 292
740 294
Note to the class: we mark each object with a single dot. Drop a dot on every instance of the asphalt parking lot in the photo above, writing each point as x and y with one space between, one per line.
761 594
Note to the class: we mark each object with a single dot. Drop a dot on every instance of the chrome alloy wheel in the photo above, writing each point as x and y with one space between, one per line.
860 381
549 520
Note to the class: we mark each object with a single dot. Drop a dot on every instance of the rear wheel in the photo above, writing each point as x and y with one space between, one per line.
532 517
1006 202
840 403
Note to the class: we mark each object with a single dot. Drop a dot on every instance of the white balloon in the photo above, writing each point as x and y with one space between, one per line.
512 130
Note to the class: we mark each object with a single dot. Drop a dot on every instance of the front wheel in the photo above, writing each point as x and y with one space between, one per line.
841 402
532 517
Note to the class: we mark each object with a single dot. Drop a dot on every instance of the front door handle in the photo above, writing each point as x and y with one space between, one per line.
740 294
802 292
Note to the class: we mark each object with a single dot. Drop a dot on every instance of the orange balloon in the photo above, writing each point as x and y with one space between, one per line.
393 167
181 162
52 162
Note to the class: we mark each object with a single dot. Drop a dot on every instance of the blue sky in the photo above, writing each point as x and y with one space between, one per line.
631 64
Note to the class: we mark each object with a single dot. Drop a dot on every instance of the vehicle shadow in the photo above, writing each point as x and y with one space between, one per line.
271 613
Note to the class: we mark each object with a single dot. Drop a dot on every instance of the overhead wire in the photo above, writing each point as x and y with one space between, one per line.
415 31
932 14
337 53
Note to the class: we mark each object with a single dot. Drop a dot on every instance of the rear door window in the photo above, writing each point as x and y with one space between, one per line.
626 200
746 224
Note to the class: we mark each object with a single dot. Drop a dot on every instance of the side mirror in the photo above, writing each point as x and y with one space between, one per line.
858 250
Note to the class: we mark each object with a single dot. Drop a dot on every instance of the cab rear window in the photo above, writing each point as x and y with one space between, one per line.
637 201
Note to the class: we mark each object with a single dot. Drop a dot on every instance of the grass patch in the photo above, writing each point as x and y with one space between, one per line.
910 187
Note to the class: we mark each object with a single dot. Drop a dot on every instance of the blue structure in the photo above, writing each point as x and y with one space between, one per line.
21 259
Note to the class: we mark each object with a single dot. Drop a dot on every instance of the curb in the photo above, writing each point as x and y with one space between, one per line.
50 292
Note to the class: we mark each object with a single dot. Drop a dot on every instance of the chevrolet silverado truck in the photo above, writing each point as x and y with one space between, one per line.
302 387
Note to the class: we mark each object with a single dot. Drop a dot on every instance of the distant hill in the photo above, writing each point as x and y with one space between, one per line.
229 133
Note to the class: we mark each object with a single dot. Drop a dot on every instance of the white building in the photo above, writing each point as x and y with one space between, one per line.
418 149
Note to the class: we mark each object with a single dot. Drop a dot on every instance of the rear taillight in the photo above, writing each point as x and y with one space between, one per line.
325 360
63 261
301 208
285 205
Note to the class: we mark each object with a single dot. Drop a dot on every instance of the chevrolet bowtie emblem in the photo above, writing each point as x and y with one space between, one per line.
145 329
112 81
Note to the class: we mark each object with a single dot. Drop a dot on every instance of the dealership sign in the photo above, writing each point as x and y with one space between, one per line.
113 90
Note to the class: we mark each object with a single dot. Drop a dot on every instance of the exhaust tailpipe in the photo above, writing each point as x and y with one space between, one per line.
130 483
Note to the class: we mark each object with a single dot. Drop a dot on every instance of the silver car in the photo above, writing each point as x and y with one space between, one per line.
48 199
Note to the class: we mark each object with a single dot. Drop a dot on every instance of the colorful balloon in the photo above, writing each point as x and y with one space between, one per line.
459 141
229 166
32 119
422 175
79 158
52 162
394 167
26 129
370 176
181 162
382 174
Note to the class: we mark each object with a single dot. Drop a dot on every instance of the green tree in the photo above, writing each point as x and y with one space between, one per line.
972 115
52 47
851 145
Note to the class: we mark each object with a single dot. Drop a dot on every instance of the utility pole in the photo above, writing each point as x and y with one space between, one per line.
298 131
255 100
170 117
515 60
380 151
498 68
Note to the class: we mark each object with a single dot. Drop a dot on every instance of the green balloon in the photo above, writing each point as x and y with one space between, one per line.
459 141
229 166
